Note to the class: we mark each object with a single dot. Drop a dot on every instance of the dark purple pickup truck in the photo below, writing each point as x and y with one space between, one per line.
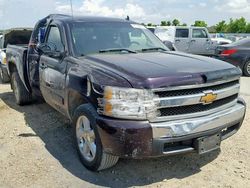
126 94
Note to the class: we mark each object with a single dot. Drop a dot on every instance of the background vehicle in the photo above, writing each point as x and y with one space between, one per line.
124 91
17 36
220 39
151 28
195 40
237 54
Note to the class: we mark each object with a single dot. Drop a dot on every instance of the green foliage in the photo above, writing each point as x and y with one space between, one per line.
163 23
221 27
237 25
200 23
234 26
175 22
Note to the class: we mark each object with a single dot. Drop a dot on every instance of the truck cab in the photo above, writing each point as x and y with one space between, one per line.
195 40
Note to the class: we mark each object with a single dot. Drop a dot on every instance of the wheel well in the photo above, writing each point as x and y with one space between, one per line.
75 99
12 67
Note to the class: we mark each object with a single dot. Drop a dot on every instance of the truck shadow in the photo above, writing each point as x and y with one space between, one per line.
55 131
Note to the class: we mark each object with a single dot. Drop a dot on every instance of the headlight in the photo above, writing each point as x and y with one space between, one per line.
128 103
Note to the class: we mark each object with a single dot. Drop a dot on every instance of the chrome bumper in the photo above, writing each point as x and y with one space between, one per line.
184 127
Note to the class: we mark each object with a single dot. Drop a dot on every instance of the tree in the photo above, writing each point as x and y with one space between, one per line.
221 27
248 28
200 23
163 23
175 22
184 24
237 25
150 24
169 23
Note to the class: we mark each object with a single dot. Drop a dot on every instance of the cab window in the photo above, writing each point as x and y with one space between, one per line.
54 38
182 33
199 33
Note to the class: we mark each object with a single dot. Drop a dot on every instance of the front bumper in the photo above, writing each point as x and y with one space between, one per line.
139 139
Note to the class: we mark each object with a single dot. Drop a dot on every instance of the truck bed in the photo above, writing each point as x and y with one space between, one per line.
17 54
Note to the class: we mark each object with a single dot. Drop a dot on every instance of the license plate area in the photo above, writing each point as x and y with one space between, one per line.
208 143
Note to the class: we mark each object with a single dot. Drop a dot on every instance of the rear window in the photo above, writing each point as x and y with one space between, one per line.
182 33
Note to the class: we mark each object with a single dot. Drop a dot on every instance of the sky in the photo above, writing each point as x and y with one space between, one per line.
25 13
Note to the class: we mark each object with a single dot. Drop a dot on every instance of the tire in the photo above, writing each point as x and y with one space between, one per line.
4 76
246 69
22 96
86 136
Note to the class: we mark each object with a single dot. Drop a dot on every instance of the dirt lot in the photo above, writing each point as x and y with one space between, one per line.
36 150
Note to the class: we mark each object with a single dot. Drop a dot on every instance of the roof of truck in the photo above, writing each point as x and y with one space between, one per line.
68 18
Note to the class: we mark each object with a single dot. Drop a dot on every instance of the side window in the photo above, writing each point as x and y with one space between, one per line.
54 38
1 42
199 33
182 33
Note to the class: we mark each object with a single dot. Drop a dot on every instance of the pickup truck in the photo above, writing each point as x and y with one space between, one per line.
194 40
125 93
15 36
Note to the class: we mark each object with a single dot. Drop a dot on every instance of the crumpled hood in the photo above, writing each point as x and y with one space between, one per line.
164 69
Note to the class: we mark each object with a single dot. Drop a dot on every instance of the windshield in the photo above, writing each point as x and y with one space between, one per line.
97 37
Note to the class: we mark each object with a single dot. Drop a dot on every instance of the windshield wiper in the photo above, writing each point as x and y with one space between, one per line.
153 49
117 50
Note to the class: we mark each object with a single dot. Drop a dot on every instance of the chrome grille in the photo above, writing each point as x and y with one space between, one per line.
162 94
179 102
196 108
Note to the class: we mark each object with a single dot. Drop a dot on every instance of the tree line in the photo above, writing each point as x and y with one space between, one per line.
238 25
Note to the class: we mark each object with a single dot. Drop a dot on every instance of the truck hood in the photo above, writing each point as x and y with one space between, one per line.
164 69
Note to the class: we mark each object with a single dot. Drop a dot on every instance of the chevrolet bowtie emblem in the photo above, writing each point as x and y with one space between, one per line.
209 97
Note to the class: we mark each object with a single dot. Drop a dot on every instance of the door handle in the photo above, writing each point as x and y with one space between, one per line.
177 40
193 40
49 84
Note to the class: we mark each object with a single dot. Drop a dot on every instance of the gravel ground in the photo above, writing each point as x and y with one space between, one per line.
36 150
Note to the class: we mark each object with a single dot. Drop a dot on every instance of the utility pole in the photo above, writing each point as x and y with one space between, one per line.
71 8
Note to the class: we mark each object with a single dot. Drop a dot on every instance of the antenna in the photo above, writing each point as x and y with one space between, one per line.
72 13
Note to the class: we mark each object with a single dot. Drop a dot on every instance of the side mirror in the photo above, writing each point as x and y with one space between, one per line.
50 50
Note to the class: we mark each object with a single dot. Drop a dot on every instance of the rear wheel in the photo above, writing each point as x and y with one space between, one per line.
4 76
22 96
88 142
246 69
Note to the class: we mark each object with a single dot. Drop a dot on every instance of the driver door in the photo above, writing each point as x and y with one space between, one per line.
52 68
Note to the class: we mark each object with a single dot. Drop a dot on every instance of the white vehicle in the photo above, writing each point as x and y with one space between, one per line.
195 40
3 71
220 39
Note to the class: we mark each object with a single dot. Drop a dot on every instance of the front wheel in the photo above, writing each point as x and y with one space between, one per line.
246 69
88 142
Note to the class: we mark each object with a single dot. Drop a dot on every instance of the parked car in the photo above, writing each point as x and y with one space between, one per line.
125 93
151 28
220 39
237 54
195 40
17 36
